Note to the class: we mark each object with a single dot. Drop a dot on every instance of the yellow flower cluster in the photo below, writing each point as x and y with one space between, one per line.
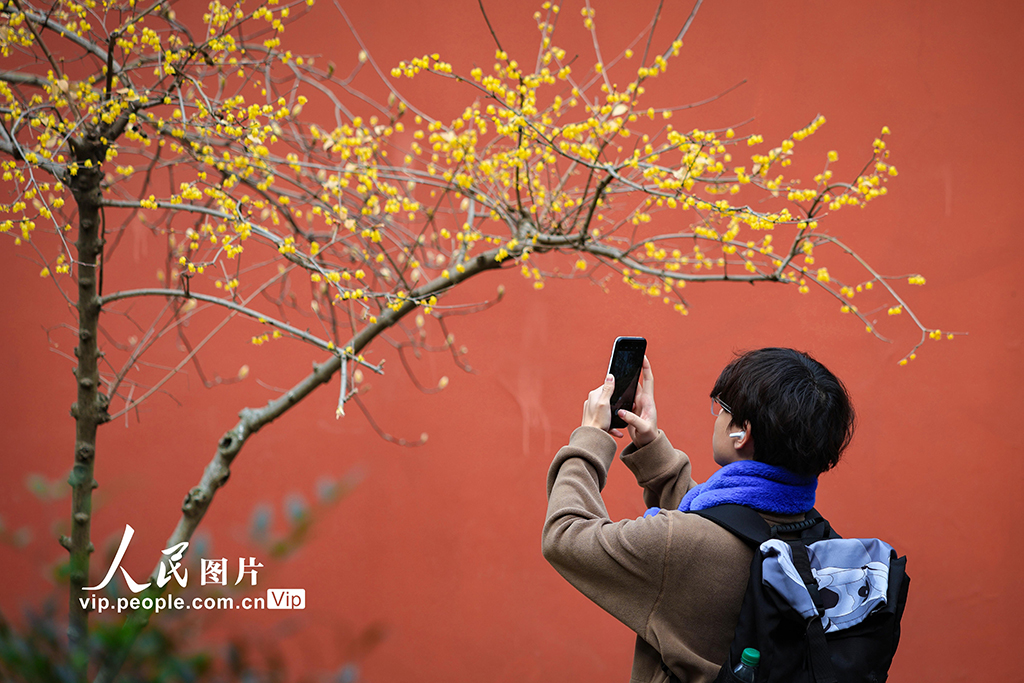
550 154
262 339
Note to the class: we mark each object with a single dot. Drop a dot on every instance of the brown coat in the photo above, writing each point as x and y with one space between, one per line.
675 578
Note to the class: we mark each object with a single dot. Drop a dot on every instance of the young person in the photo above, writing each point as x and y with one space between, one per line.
678 579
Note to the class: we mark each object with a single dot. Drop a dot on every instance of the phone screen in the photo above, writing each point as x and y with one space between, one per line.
626 364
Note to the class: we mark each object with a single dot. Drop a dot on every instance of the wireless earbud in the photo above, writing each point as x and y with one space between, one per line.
737 435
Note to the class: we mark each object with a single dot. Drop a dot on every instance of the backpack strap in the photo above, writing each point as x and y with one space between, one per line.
821 663
750 526
740 521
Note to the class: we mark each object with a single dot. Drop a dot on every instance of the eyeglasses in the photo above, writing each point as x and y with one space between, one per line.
721 407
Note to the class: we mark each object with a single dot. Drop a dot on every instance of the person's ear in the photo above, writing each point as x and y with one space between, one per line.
742 437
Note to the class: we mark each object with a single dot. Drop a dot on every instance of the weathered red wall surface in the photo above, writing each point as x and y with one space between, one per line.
439 545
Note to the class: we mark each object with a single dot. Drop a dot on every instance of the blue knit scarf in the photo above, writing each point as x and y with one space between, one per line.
753 484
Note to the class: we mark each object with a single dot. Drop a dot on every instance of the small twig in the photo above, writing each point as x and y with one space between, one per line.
381 433
256 315
489 27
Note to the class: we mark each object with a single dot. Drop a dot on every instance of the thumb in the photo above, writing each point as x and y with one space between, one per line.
608 387
631 418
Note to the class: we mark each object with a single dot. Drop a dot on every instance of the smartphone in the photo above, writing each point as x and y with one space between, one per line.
626 364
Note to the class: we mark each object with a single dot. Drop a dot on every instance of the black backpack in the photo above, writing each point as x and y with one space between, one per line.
856 643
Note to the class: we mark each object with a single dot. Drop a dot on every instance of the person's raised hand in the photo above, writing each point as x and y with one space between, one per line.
643 424
597 409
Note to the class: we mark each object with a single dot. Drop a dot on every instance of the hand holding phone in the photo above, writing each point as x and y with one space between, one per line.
625 365
642 420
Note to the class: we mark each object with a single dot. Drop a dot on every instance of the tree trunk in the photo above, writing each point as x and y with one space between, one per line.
90 408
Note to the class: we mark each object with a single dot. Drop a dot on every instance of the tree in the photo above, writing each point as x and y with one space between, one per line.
198 129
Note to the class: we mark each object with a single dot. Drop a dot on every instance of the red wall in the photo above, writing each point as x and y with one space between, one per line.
440 545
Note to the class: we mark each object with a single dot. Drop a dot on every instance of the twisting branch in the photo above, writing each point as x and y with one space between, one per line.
251 420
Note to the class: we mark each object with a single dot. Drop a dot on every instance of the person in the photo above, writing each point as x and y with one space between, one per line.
678 579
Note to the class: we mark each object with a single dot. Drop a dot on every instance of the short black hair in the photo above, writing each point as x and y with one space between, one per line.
800 414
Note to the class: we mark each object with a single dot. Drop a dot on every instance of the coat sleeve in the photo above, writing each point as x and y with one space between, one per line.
618 565
661 470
